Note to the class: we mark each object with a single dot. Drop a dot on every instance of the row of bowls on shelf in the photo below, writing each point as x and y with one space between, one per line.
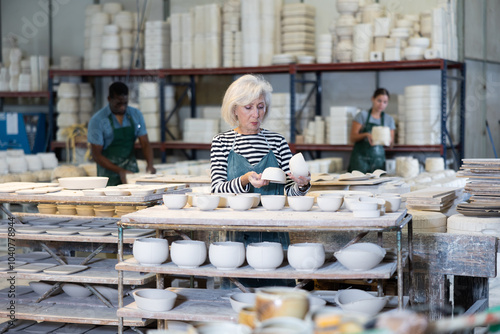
75 290
261 256
87 210
362 206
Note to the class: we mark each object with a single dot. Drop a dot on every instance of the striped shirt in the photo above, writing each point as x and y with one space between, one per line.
253 148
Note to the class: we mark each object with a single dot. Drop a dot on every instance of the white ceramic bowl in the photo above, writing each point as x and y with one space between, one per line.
301 203
226 255
392 202
240 203
150 251
306 257
255 196
188 253
207 202
40 288
240 300
362 203
156 300
76 290
273 202
298 165
361 256
265 256
366 213
83 182
330 202
175 201
354 300
421 42
223 201
274 175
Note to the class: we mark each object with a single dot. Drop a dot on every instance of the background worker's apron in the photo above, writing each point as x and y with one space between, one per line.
365 157
120 152
237 165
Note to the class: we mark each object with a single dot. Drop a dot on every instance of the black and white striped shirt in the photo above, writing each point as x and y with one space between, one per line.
253 148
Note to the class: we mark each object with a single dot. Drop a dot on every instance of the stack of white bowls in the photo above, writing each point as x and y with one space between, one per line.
324 50
67 107
339 124
156 52
111 46
422 115
14 68
251 32
98 21
297 26
85 102
416 48
4 79
90 10
231 34
149 106
362 42
278 118
17 163
126 21
34 162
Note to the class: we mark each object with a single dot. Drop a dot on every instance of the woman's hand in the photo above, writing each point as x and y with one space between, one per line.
301 181
254 179
369 136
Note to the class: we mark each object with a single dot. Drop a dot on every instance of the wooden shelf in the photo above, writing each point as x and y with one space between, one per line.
25 94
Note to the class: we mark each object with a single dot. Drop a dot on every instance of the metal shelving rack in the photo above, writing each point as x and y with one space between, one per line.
165 77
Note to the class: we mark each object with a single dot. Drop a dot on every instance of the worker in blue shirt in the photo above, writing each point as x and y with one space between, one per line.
112 133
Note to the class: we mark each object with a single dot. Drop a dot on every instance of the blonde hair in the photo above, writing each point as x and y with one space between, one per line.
243 91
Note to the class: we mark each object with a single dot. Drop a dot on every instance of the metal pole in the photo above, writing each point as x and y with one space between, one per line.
120 277
443 108
462 113
292 106
163 124
50 33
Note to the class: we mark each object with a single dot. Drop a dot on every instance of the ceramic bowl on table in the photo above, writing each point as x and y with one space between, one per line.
226 255
175 201
240 202
392 201
265 256
156 300
223 200
240 300
301 203
354 300
255 196
306 256
361 256
330 202
188 253
150 251
206 202
273 202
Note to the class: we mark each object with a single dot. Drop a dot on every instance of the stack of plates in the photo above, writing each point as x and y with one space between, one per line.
324 50
422 115
231 35
298 18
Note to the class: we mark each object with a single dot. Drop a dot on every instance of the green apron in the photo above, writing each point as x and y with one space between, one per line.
120 152
238 165
365 157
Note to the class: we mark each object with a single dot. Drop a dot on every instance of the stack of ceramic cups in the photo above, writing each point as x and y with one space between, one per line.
150 108
111 46
67 108
297 26
324 51
422 115
85 103
156 52
231 34
14 68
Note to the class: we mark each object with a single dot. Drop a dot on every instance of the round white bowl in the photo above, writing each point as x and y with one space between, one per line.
298 165
240 203
175 201
361 256
76 290
150 251
83 182
40 288
156 300
255 196
306 257
330 202
273 202
188 253
421 42
265 256
360 301
392 202
226 255
223 201
207 202
240 300
274 174
362 203
301 203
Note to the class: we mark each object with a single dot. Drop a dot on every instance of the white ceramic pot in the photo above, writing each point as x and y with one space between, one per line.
361 256
254 196
150 251
274 175
227 255
240 300
207 202
306 257
330 202
188 253
240 203
273 202
265 256
175 201
301 203
354 300
298 165
156 300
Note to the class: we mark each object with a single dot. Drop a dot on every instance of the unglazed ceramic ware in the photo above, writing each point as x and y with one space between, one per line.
188 253
361 256
156 300
150 251
354 300
306 256
265 256
272 302
226 255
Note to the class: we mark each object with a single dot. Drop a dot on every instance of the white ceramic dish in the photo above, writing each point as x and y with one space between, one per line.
226 255
274 175
150 251
301 203
306 257
83 182
76 290
330 202
175 201
240 300
298 165
65 269
188 253
34 267
273 202
354 300
96 232
361 256
264 256
156 300
207 202
240 203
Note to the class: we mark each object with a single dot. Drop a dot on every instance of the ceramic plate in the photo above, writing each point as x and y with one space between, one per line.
64 231
31 191
344 177
133 232
31 229
65 269
34 267
33 256
96 232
